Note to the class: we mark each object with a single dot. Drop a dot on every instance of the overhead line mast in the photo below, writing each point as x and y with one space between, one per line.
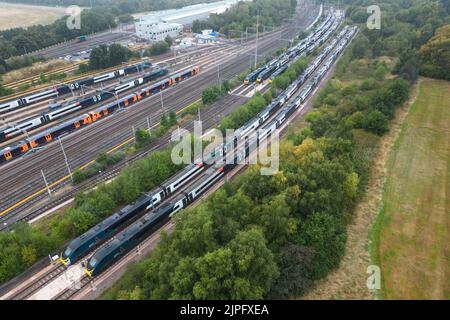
256 48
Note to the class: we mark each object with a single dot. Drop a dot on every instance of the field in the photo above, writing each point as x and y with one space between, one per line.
20 15
410 237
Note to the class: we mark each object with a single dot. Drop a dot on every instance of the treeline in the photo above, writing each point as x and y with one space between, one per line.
26 244
19 41
108 56
118 6
267 236
101 16
271 13
406 27
435 55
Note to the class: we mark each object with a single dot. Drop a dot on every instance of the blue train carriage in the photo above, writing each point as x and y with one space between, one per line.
126 240
80 246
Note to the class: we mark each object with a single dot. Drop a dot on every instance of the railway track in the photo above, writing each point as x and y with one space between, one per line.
70 292
84 75
37 109
73 46
16 84
81 148
208 119
38 283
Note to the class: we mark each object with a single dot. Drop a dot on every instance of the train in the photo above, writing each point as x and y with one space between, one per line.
60 110
70 87
132 235
306 45
23 147
80 246
128 238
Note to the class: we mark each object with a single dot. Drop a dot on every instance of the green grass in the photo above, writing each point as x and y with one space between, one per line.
409 238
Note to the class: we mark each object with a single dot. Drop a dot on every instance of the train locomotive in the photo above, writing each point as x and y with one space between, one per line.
127 239
80 246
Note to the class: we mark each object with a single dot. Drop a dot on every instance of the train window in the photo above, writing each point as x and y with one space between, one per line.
8 155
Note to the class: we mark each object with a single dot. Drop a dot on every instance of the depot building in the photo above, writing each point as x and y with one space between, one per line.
156 30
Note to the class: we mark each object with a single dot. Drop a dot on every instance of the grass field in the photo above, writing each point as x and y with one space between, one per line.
20 15
410 239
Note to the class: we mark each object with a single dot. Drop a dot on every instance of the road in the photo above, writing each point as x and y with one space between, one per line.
22 177
73 46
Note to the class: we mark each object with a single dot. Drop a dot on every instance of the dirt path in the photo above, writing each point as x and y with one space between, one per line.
349 280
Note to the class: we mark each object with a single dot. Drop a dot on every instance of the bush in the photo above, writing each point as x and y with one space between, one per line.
375 122
157 48
142 138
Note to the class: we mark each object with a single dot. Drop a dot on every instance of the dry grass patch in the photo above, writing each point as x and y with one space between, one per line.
21 15
34 70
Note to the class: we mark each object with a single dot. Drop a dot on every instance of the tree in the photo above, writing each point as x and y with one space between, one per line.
296 270
168 39
29 255
124 18
142 137
164 121
116 54
81 220
376 122
158 48
172 118
360 46
325 235
244 269
98 57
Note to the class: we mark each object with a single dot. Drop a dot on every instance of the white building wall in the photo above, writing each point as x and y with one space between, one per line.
158 31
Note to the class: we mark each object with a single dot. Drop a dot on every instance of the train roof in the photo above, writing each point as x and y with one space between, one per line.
130 231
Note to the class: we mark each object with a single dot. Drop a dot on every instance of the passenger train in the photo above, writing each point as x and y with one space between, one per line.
67 88
306 45
64 109
12 152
